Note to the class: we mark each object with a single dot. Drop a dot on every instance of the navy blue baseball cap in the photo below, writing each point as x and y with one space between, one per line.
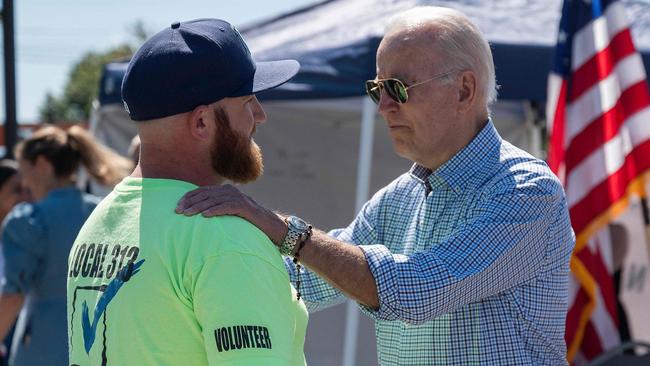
195 63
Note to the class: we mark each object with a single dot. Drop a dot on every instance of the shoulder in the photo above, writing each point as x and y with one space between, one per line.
229 234
90 199
403 186
68 198
519 172
23 212
24 219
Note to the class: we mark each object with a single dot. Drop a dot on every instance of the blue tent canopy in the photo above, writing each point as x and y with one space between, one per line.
336 42
111 82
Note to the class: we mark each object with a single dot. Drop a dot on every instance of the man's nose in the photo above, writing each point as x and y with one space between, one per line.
386 103
258 112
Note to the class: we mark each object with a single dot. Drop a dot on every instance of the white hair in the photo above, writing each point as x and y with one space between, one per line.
461 42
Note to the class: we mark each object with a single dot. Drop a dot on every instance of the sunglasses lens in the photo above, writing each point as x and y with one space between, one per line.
373 90
396 90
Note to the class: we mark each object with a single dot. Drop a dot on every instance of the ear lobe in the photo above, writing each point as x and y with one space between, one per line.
199 123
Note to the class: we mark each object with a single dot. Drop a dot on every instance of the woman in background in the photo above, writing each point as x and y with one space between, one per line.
37 238
10 190
10 194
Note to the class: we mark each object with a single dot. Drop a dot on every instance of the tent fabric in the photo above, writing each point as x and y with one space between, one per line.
110 83
336 41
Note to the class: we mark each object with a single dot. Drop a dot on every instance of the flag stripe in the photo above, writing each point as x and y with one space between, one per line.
588 284
554 94
573 315
607 160
636 188
611 189
603 96
556 150
597 267
628 110
596 35
591 342
601 64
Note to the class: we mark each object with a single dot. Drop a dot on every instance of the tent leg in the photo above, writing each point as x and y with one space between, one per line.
534 130
363 187
365 153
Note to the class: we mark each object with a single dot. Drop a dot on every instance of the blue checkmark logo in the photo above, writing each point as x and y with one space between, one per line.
90 329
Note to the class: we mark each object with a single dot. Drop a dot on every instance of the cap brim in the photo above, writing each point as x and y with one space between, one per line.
270 74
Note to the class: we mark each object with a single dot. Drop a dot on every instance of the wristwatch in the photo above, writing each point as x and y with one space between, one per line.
299 230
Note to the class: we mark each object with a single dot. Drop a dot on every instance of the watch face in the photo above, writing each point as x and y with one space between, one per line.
297 222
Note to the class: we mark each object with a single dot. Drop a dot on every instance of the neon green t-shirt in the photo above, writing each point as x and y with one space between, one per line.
149 287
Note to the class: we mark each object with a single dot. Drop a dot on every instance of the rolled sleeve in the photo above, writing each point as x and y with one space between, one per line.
382 266
22 246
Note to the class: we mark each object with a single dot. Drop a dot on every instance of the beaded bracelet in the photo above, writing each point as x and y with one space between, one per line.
296 257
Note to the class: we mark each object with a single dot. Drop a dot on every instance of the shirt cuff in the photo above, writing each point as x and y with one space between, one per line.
382 266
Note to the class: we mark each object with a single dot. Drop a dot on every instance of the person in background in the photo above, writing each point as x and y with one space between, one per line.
11 193
37 238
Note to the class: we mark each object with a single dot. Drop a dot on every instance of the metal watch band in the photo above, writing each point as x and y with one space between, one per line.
294 237
289 243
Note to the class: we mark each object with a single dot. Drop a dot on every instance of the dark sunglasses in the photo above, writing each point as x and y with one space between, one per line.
395 88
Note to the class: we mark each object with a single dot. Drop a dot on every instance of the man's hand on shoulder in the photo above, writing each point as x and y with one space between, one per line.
226 199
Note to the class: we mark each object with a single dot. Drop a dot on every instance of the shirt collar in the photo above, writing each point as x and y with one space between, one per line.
476 158
63 190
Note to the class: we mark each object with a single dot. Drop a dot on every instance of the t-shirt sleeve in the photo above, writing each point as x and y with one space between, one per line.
246 309
23 241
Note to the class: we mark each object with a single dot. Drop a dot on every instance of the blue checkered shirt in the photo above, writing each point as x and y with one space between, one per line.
471 261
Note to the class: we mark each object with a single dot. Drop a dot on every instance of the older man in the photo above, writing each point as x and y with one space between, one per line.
463 260
149 287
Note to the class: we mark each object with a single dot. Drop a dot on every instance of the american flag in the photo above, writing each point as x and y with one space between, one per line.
599 118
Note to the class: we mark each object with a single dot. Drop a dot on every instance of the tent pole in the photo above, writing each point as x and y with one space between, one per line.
534 130
365 153
363 186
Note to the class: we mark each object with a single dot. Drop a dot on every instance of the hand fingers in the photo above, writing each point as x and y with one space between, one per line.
221 210
199 206
191 198
221 193
193 195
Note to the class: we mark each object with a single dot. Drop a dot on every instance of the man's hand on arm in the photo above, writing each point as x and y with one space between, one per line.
341 264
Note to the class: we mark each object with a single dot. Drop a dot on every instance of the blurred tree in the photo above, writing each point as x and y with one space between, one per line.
140 31
52 109
82 86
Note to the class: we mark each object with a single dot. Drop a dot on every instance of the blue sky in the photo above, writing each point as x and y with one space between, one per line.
52 35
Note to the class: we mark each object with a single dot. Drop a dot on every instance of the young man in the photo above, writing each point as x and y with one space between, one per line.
148 287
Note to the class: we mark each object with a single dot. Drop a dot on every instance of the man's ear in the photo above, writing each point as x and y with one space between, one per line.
467 90
201 123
